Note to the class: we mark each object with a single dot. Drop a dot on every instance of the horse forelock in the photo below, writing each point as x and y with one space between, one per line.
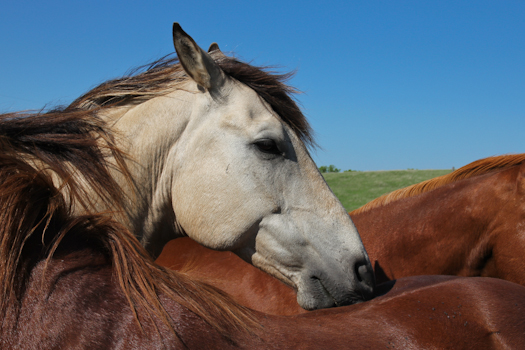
476 168
167 75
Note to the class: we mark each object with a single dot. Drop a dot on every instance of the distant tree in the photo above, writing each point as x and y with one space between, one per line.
333 169
329 169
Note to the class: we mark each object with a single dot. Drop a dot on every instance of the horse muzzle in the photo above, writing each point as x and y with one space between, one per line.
327 288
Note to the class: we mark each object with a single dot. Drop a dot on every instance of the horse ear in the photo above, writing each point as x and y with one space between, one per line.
214 47
197 63
215 52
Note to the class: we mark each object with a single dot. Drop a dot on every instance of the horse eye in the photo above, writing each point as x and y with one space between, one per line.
267 146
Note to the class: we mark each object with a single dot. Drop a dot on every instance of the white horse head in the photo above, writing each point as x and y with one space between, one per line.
219 156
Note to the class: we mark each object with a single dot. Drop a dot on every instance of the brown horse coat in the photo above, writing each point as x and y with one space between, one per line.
467 223
79 305
246 284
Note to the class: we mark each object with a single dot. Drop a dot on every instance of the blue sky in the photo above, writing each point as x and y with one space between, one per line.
386 84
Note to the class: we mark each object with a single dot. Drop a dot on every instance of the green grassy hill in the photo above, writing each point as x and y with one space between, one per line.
357 188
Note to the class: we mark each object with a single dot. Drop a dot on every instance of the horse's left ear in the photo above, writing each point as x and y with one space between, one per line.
196 62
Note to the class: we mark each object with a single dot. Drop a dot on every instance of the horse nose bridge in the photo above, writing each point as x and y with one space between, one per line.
345 258
342 254
333 237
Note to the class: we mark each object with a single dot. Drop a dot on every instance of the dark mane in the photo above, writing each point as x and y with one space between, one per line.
37 220
167 74
476 168
68 144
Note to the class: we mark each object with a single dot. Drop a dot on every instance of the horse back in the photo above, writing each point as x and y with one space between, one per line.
471 227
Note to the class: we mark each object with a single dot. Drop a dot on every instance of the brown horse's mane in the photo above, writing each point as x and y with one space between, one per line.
476 168
167 74
37 218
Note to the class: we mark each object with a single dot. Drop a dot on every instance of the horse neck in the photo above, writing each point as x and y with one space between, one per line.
456 216
245 283
147 134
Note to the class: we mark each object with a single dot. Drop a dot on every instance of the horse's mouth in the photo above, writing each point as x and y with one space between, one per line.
317 282
317 295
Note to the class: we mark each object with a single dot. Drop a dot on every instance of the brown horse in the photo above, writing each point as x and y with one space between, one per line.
86 282
470 222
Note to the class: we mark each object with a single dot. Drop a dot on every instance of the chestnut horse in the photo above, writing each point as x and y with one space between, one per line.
216 150
470 222
70 281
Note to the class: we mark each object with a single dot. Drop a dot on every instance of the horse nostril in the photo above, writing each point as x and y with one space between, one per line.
365 276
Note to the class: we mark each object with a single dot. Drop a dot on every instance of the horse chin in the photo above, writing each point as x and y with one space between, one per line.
313 293
315 298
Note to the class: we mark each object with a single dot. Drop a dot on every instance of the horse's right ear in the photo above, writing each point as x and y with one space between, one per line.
215 52
214 47
198 64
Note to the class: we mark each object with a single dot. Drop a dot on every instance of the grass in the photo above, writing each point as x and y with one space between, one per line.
357 188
